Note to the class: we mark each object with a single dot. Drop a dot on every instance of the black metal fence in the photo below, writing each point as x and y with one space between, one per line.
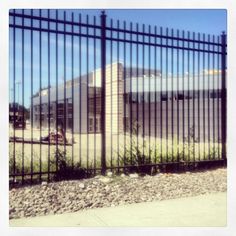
88 95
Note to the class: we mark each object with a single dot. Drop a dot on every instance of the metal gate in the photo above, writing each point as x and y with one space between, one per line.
90 94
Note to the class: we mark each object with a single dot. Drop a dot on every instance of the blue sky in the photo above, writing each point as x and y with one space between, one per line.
198 20
211 22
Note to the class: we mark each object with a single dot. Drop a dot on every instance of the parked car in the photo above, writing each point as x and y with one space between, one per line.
18 115
19 122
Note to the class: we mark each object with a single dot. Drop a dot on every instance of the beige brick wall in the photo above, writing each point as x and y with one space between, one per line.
114 96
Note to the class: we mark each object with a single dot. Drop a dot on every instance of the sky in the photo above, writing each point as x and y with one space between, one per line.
211 22
202 21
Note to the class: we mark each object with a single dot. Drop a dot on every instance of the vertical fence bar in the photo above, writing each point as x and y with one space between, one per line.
31 95
137 85
80 91
155 74
126 98
172 95
167 99
131 99
178 98
72 90
218 95
183 105
161 66
40 95
87 88
118 93
143 90
149 94
95 98
188 94
208 97
203 99
198 99
49 93
65 100
57 89
14 96
224 95
111 91
103 92
23 95
213 96
193 97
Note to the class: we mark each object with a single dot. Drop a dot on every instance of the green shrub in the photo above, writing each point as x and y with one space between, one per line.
136 155
64 168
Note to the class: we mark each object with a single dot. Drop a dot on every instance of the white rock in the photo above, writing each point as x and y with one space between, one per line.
27 191
123 175
133 175
81 185
98 177
44 183
109 174
105 180
107 188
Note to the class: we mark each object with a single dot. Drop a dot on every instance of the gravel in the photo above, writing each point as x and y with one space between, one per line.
111 190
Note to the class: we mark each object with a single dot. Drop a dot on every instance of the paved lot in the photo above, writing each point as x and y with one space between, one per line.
205 210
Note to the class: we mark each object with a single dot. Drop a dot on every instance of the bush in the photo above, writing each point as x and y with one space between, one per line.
141 158
64 169
136 157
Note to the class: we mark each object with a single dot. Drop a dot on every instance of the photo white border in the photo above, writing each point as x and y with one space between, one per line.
229 5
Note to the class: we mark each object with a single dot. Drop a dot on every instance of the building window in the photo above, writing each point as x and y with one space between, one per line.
51 107
97 124
90 124
164 97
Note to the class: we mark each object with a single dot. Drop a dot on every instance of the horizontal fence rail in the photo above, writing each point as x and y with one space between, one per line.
90 94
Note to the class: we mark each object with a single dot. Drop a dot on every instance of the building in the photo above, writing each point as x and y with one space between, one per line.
159 105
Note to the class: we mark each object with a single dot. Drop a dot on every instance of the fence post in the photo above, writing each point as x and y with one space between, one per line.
223 96
103 91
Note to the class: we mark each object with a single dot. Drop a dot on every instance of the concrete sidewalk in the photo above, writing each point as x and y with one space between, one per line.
205 210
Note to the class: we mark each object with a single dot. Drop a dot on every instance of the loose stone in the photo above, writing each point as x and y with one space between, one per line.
133 175
111 190
81 185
